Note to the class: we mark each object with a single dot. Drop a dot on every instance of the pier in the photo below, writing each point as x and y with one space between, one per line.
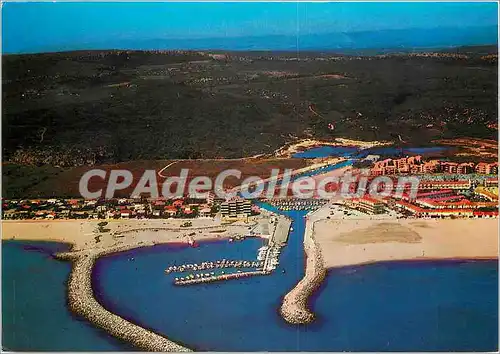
297 204
280 234
220 264
213 278
267 260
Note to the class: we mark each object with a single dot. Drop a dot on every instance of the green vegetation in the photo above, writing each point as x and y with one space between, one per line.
81 108
18 180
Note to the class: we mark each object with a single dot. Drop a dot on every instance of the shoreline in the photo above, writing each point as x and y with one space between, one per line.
415 260
86 234
289 149
350 255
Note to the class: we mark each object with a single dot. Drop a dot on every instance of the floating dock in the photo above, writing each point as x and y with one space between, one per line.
214 278
220 264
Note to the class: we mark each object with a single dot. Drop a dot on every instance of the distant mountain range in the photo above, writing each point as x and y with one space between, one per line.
342 42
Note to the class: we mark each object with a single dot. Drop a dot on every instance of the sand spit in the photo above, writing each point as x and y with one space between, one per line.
81 301
289 149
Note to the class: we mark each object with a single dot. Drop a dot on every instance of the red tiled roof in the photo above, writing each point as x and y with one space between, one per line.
486 213
444 182
442 191
417 209
370 199
459 197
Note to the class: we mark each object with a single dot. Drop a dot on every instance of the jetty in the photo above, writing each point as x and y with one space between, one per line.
213 278
81 301
294 308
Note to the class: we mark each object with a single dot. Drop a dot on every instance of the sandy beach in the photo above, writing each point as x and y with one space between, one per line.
86 235
350 242
339 242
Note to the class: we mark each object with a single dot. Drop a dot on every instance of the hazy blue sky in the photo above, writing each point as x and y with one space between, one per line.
38 26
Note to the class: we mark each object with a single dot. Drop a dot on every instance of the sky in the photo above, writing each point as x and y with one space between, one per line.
50 26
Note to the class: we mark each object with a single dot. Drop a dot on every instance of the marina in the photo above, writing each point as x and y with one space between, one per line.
297 204
267 260
224 263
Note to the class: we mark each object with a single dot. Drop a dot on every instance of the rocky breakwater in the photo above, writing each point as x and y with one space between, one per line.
294 308
81 301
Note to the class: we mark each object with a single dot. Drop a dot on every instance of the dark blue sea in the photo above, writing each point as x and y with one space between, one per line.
403 306
34 312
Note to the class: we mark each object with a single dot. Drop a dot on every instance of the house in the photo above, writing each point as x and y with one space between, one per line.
487 168
187 210
491 182
169 212
125 214
486 214
205 211
455 185
90 202
465 168
178 203
366 204
421 212
159 203
431 166
210 197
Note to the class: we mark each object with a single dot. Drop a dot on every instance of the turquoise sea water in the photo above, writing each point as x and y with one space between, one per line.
445 305
354 152
326 151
